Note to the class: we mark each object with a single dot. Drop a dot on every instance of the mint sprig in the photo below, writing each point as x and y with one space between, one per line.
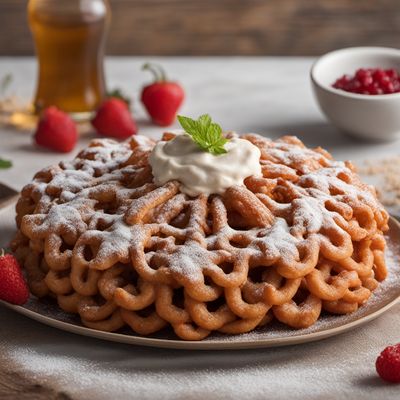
5 164
205 133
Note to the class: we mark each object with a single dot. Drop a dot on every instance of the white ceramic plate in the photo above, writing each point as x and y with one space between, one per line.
275 334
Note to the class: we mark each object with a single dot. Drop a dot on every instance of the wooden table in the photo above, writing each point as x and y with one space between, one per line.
226 27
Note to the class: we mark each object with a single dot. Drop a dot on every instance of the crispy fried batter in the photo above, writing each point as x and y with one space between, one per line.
101 238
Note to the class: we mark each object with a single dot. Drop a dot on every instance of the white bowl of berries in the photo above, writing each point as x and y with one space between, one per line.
358 90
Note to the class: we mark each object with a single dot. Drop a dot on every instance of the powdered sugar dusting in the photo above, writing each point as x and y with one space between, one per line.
276 242
78 194
187 259
110 212
387 292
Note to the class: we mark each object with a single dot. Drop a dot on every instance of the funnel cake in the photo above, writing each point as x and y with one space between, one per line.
101 238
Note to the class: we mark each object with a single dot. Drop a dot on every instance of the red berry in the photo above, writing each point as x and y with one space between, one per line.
13 287
114 119
362 74
388 364
56 131
370 81
162 98
162 101
392 73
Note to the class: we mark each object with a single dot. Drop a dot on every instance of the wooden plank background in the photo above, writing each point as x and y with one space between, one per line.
228 27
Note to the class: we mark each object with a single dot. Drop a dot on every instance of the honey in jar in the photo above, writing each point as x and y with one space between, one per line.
69 37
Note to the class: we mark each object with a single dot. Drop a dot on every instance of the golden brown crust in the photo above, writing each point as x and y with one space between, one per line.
109 245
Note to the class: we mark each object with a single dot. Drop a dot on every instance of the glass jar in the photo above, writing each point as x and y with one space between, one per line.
69 38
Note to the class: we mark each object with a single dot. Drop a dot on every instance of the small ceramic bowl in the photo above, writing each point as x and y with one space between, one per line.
374 117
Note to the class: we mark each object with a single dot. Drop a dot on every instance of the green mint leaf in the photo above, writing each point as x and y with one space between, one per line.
218 146
5 164
205 133
189 125
204 123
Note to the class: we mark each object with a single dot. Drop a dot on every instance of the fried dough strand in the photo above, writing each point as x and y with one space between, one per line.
97 235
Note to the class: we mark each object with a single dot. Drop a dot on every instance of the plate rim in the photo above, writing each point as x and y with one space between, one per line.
200 345
215 344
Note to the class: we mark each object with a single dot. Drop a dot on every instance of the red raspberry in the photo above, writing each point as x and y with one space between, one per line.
370 81
13 288
388 364
56 131
114 119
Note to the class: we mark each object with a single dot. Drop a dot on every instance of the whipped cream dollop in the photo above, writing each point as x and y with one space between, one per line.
200 172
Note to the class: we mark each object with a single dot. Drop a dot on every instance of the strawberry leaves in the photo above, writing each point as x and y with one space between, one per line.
205 133
119 94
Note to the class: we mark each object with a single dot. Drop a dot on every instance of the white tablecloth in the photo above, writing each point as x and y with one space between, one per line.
265 95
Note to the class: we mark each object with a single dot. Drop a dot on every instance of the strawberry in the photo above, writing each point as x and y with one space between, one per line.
388 364
13 287
114 119
119 94
56 131
162 98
